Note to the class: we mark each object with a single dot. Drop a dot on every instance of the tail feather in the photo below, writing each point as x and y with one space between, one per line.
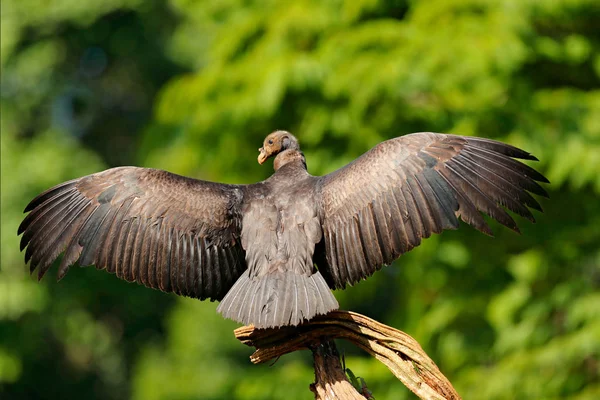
278 299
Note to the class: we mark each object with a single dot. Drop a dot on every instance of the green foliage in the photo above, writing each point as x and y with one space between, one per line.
194 86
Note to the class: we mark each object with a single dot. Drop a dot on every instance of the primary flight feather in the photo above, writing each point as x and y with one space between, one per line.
254 247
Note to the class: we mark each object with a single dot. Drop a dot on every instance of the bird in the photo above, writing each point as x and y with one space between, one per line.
272 252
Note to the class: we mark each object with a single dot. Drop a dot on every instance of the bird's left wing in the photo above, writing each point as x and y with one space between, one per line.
159 229
383 203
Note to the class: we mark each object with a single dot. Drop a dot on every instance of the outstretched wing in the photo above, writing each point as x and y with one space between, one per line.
381 205
159 229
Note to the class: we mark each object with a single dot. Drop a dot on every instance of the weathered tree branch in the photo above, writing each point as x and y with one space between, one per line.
398 351
330 377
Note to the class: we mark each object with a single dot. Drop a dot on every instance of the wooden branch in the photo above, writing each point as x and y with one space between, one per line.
402 354
330 378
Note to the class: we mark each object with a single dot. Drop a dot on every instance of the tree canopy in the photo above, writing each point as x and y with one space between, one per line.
194 86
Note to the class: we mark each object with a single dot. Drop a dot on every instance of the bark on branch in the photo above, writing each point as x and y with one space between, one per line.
402 354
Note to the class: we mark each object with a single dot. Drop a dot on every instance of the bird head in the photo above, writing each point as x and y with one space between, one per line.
276 143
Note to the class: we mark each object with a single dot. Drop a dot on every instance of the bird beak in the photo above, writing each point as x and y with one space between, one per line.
262 157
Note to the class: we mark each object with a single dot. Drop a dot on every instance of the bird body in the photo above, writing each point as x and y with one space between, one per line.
271 251
280 229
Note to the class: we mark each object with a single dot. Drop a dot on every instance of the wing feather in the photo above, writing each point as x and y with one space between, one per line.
148 226
413 214
349 252
381 229
161 252
467 211
482 200
492 190
40 224
90 238
502 170
508 162
63 188
399 233
360 253
383 203
421 207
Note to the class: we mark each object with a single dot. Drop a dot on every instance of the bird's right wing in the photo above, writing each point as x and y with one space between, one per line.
383 203
153 227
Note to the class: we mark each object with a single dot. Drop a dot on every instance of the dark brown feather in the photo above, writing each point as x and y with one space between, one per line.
118 219
414 186
49 194
512 175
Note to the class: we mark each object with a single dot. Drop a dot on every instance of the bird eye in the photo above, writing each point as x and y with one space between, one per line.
270 141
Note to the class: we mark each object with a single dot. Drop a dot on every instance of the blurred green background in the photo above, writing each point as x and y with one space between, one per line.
194 86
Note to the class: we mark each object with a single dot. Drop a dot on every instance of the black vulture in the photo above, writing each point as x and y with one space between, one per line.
271 251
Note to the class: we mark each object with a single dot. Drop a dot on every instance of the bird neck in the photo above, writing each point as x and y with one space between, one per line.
289 156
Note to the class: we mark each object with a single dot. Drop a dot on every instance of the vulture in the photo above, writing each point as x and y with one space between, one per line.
271 251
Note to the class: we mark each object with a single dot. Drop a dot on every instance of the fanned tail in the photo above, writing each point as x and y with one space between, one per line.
277 299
